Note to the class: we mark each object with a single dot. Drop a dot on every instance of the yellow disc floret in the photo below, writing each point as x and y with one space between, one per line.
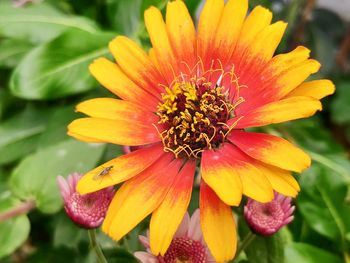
193 116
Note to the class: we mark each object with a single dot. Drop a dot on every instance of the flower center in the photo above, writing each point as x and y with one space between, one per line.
183 249
269 215
193 116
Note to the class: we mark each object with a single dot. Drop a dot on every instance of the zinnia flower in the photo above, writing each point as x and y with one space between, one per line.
190 99
266 219
187 245
89 210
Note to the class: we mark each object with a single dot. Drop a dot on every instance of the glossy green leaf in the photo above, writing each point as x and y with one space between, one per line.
265 3
324 49
35 176
194 8
125 16
120 255
12 50
19 134
160 4
266 249
305 253
59 68
329 22
3 180
322 202
65 230
311 135
39 22
14 231
319 143
56 129
7 102
340 105
19 149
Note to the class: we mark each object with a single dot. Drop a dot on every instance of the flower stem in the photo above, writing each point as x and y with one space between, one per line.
21 209
245 242
95 246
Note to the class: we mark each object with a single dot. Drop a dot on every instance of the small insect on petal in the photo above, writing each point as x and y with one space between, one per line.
104 172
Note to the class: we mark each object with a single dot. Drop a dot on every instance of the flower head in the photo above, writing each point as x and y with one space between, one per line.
186 246
266 219
190 99
88 210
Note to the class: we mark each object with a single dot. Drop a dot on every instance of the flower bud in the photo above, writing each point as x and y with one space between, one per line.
89 210
267 218
187 245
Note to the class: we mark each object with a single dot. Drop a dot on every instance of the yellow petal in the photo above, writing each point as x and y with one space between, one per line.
136 64
255 184
280 111
281 180
168 216
139 197
218 225
161 44
111 77
283 62
222 177
208 25
83 138
266 42
121 169
153 58
181 32
113 109
317 89
271 150
294 76
257 20
230 26
123 132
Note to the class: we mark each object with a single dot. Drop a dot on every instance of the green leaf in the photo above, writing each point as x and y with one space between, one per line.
319 144
12 50
340 105
299 252
311 135
324 49
19 134
3 180
65 230
125 16
35 176
266 249
322 203
14 231
38 23
7 103
56 129
329 22
19 149
193 6
160 4
59 68
120 255
265 3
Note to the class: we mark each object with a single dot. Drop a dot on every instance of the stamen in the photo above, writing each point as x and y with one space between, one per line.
233 125
194 113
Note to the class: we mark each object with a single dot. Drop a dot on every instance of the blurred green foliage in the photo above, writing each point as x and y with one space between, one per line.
45 50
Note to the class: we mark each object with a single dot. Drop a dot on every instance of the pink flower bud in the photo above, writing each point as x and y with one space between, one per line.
187 245
89 210
266 219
